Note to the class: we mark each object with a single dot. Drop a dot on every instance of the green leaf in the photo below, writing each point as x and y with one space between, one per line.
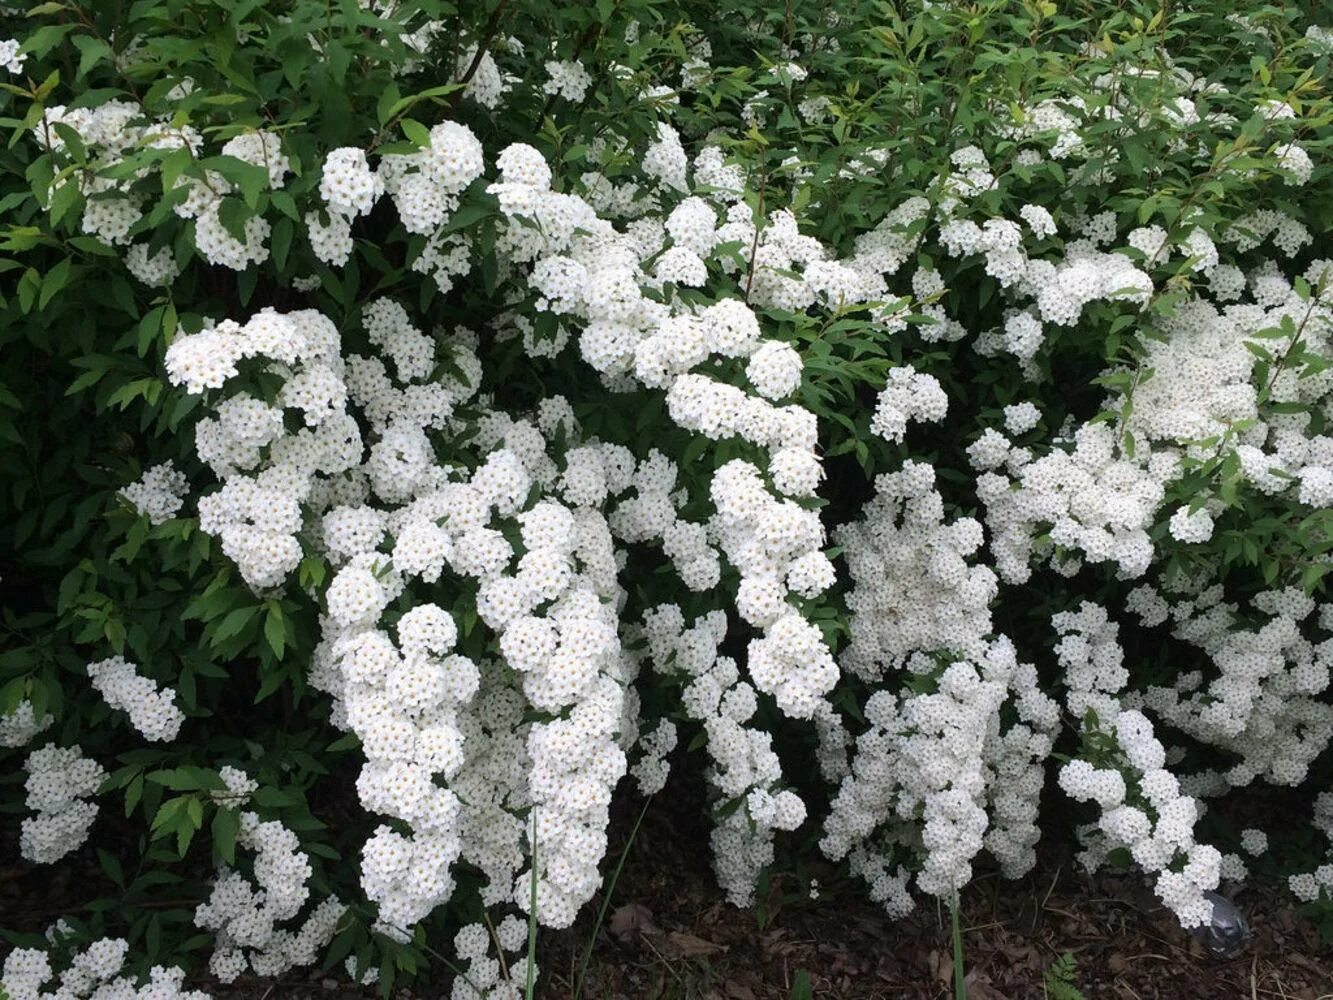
149 327
133 793
275 628
168 814
91 51
281 245
84 381
187 779
226 825
233 213
55 279
273 798
110 864
388 100
233 623
416 132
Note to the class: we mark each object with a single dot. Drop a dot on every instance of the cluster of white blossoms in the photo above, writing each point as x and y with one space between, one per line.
1141 805
1089 503
588 271
482 977
475 632
567 79
60 782
1263 705
93 973
1058 293
912 588
22 724
744 774
1318 884
239 786
244 918
113 208
152 712
425 187
652 768
10 57
907 395
159 493
401 516
932 764
257 513
446 752
424 712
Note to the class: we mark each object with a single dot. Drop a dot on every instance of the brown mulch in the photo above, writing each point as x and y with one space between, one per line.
667 934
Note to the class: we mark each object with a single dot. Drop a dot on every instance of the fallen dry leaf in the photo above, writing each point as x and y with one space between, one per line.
941 966
683 945
979 987
629 921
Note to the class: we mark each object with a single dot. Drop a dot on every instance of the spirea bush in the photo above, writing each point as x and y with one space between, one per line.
424 424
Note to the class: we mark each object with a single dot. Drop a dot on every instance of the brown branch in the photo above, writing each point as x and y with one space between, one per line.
758 222
487 37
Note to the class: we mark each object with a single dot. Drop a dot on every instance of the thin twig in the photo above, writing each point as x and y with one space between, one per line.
674 974
758 222
487 36
499 948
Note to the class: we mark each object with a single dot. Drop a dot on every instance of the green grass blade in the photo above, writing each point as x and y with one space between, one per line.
606 900
959 986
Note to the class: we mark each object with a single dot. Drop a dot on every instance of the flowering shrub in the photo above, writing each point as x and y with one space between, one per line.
425 425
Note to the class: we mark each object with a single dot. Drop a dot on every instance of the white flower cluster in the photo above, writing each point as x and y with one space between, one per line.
152 712
1202 387
406 698
912 588
1156 823
908 395
567 79
1264 704
745 775
257 516
1093 502
10 57
1310 886
113 208
243 918
92 974
485 978
585 269
425 186
22 724
652 768
409 486
239 787
159 493
60 781
944 756
488 84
